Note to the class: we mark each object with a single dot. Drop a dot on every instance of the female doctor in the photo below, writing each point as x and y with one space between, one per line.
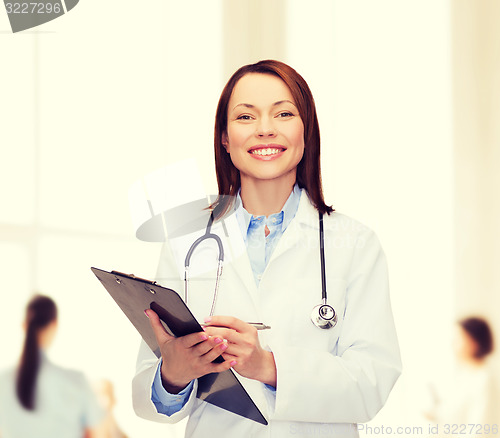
306 381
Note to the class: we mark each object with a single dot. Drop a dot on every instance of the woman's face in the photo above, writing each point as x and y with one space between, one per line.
265 134
465 346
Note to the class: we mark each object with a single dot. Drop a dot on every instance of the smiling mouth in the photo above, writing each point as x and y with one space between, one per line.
266 151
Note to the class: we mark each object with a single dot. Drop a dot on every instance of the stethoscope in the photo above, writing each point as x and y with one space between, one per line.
323 315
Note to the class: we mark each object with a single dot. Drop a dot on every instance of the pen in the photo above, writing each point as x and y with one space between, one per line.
257 325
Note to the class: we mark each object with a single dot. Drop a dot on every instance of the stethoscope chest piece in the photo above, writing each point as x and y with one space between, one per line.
323 316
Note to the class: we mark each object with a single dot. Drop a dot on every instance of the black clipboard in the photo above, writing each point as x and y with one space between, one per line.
134 295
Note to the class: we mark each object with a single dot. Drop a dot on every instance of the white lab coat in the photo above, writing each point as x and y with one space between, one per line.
327 380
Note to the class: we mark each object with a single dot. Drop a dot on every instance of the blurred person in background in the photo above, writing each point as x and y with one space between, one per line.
109 427
38 398
468 398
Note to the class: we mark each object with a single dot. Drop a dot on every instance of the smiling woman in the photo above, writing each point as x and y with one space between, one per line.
247 95
265 138
301 373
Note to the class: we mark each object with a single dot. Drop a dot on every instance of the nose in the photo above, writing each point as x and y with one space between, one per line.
265 128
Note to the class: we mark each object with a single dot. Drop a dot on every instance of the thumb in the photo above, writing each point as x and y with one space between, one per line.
160 333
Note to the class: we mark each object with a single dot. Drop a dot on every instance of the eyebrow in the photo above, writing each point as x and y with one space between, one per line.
248 105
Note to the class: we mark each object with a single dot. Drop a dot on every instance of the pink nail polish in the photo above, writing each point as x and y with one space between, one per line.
217 340
223 347
204 337
208 319
146 313
233 363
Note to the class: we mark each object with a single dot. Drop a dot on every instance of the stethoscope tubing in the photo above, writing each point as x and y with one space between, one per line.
322 257
319 312
208 235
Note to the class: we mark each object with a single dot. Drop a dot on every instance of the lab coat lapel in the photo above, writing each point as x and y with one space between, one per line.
239 261
306 217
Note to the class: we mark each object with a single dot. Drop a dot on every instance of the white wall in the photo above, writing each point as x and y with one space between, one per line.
89 103
382 86
476 73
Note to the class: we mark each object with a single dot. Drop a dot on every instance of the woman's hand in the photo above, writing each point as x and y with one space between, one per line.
187 357
244 352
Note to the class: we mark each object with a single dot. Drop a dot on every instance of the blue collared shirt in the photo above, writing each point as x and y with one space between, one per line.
259 248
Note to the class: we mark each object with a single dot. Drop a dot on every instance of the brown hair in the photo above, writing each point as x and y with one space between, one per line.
40 312
479 330
308 169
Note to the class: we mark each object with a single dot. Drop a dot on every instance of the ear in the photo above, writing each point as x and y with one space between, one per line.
225 142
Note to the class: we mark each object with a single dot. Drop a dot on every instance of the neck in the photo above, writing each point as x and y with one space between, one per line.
472 362
265 197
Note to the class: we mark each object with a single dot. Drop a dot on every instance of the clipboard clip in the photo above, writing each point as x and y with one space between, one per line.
131 276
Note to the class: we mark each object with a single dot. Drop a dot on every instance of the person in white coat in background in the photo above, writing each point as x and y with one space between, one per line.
465 401
306 381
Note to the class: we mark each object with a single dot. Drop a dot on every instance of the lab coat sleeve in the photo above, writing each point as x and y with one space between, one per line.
142 386
352 386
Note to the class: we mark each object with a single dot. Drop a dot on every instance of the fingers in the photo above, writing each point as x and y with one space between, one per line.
238 344
162 335
206 353
214 352
192 339
232 329
229 322
191 356
223 366
216 344
229 335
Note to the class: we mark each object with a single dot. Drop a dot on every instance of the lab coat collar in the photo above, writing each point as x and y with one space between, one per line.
305 218
307 213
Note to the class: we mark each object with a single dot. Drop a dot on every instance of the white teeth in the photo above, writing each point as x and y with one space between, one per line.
268 151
